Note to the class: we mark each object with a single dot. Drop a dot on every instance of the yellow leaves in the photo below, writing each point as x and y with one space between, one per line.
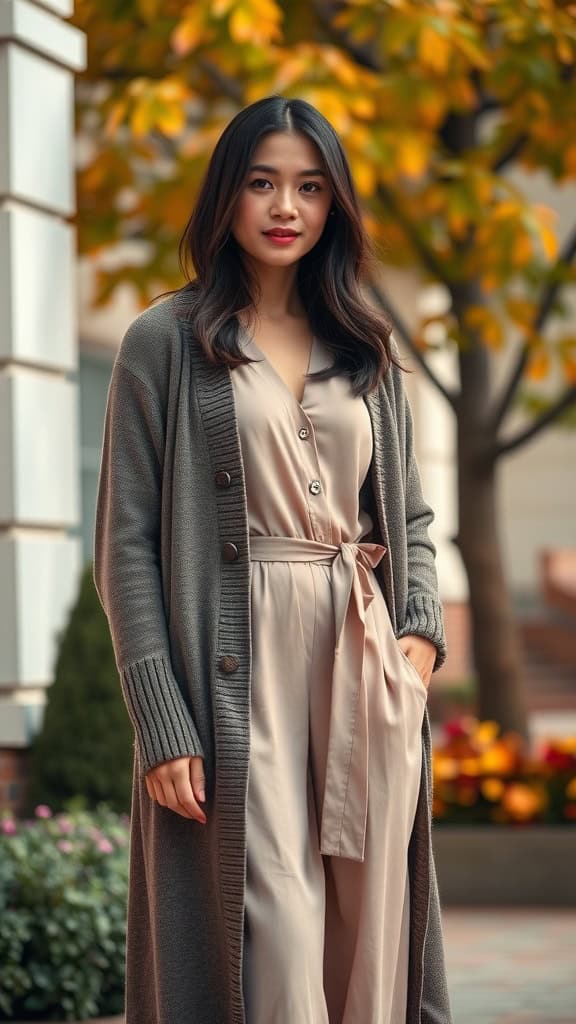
485 322
150 106
566 349
544 218
115 117
291 69
148 9
256 21
357 20
511 236
411 155
345 71
433 50
192 30
332 103
520 311
539 360
363 106
565 50
544 354
365 176
432 103
448 42
569 159
241 25
521 249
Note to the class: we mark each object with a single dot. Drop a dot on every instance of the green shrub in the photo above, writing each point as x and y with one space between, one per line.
85 746
63 897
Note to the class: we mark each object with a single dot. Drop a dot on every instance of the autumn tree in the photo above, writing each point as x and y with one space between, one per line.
436 101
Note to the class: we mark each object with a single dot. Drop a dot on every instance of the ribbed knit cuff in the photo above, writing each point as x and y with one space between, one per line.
424 618
163 724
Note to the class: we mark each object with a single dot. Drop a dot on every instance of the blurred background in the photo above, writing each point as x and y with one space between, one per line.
459 120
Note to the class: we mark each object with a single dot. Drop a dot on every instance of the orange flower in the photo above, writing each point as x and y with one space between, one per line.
492 789
445 767
498 759
523 802
486 732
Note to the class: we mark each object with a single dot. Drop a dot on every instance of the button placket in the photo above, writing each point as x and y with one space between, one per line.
314 489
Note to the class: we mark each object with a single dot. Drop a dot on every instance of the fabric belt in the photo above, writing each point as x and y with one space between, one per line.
345 802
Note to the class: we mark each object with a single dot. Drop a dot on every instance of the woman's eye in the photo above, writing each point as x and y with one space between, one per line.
258 181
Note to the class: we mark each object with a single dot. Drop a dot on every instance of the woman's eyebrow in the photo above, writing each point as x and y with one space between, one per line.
274 170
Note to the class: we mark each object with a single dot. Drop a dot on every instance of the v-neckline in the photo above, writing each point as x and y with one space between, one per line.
249 342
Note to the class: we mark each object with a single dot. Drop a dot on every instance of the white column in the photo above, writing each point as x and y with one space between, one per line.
435 430
40 561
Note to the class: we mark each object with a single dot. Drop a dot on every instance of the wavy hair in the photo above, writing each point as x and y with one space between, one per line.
220 283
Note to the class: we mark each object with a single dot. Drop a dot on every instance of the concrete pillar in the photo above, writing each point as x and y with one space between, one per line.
39 437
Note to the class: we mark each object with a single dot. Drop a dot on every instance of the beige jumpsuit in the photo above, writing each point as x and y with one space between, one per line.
336 715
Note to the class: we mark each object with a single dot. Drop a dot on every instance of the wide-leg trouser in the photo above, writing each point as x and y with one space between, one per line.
326 938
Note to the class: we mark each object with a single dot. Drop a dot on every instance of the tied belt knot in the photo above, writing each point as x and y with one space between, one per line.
345 802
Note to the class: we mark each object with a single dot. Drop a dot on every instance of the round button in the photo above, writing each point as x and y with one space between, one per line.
228 663
222 478
303 433
229 551
314 487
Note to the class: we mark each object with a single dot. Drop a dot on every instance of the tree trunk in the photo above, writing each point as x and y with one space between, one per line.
495 644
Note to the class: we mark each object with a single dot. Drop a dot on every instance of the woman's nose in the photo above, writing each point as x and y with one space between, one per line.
285 203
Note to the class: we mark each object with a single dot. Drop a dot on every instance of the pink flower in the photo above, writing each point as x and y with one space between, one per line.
65 825
8 827
105 846
43 811
65 845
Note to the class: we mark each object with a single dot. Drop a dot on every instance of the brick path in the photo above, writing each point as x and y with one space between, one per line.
511 965
508 965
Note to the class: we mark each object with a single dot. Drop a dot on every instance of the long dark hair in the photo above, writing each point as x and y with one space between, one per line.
328 277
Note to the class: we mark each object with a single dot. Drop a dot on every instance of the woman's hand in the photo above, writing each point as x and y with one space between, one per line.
178 785
422 654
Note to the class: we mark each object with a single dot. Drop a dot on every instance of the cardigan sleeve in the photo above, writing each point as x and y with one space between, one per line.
424 615
127 573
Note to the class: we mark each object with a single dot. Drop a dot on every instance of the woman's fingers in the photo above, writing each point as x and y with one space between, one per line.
185 798
158 791
170 784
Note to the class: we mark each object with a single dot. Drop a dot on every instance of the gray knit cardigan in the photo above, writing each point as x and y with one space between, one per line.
177 609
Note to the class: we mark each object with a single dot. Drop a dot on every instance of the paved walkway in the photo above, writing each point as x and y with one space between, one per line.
507 966
511 965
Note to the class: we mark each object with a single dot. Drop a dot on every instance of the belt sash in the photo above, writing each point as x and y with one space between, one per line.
345 801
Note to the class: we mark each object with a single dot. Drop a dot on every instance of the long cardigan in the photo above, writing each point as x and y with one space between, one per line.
171 506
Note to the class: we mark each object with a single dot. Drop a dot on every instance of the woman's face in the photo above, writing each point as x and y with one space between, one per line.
289 189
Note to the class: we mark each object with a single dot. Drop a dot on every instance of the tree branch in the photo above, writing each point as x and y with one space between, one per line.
509 154
546 303
513 443
362 55
229 87
403 332
426 255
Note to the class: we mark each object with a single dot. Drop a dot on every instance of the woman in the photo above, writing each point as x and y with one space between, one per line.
263 557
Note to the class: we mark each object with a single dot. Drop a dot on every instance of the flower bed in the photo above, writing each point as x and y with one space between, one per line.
483 776
63 892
